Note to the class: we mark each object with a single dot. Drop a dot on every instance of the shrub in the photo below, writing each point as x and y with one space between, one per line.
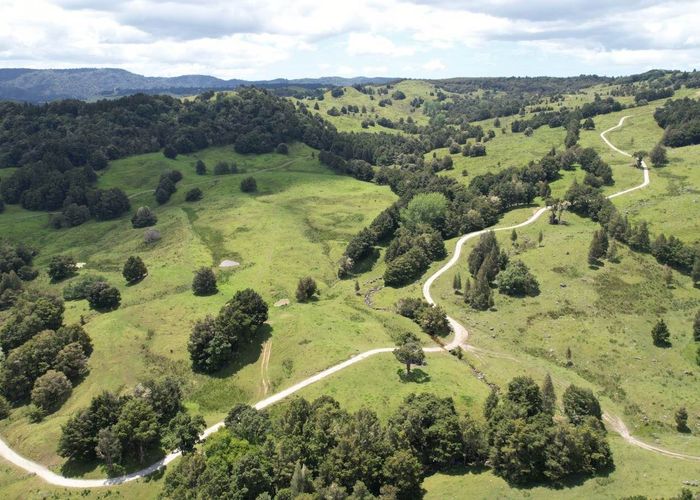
170 152
103 297
151 236
204 282
200 168
248 185
78 288
660 334
306 289
282 148
194 194
143 217
222 168
433 320
580 403
72 361
517 280
61 267
51 390
134 269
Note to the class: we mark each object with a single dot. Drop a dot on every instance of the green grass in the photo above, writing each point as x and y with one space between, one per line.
352 122
637 472
297 224
385 384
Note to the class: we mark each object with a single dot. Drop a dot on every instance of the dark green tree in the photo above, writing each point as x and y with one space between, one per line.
549 397
137 426
517 280
51 390
72 361
200 167
183 432
204 282
194 194
249 185
143 217
108 447
658 156
306 289
103 297
410 353
134 269
681 418
660 334
61 267
696 327
579 403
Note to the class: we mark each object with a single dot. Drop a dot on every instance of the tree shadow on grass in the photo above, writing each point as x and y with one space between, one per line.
416 376
79 468
247 353
365 264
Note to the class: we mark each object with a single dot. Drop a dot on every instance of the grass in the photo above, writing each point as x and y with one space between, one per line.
443 375
352 122
297 224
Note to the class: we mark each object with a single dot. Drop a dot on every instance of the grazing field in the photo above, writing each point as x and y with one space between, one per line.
297 224
385 384
352 122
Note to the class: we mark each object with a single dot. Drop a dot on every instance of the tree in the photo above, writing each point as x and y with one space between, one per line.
301 481
481 295
549 398
491 403
660 334
580 403
513 236
588 124
134 269
517 280
108 447
403 471
143 217
457 282
103 297
204 282
695 272
137 426
410 353
222 168
183 432
639 157
433 320
282 149
427 209
658 156
162 195
306 289
596 250
249 185
525 395
696 327
681 418
72 361
61 267
51 390
210 349
245 422
170 152
200 167
540 237
194 194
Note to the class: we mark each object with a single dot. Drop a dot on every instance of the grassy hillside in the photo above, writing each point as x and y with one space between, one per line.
297 224
352 122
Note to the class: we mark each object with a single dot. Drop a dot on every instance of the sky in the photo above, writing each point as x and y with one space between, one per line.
264 39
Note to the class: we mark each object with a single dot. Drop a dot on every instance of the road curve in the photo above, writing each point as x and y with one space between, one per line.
460 339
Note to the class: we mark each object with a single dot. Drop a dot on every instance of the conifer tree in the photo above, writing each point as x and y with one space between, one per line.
457 283
660 334
549 398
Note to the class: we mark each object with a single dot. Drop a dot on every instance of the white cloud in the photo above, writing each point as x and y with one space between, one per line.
269 38
369 44
434 65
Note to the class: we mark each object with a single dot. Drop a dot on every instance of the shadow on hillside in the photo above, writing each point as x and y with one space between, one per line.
416 376
247 354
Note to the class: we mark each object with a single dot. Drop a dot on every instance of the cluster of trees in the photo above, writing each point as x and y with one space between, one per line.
118 429
44 358
418 241
215 341
101 296
653 94
358 169
166 186
224 167
681 120
432 319
527 444
318 448
15 269
588 201
59 146
485 262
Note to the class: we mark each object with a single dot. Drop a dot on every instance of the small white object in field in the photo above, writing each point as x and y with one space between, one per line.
282 303
229 263
80 265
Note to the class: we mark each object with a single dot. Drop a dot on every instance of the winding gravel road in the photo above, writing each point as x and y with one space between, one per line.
460 339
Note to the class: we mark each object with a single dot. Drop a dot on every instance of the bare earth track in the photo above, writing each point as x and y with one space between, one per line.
460 340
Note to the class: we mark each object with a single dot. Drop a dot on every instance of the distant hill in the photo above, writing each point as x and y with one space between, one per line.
41 85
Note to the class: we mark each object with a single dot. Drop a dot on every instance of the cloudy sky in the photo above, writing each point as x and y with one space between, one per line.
261 39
